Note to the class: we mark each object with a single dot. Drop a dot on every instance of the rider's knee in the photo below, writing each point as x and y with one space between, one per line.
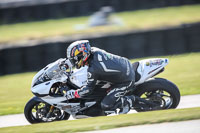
105 106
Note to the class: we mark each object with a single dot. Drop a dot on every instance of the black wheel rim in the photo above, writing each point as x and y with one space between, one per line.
162 98
40 112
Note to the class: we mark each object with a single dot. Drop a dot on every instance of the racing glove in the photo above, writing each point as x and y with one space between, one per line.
71 94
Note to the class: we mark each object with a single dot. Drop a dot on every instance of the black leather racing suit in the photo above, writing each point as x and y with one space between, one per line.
114 69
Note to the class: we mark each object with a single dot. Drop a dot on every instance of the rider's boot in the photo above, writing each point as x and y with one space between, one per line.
127 104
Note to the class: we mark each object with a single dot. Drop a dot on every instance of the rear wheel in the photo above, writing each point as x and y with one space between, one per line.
163 93
37 111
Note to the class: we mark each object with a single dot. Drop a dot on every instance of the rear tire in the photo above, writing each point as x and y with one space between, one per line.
159 84
32 119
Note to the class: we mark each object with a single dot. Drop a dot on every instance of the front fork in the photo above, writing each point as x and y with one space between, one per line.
50 111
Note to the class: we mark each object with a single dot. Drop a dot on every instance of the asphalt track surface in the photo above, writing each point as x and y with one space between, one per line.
19 119
192 126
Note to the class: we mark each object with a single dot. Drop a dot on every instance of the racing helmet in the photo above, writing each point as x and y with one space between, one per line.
78 53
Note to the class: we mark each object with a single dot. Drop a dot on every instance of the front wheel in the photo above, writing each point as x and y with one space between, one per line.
37 111
163 93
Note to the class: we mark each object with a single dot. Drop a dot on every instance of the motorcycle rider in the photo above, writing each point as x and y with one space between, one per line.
103 66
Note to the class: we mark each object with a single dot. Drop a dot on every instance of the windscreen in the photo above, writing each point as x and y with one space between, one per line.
54 71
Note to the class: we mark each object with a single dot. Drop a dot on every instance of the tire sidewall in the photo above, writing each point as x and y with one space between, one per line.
28 111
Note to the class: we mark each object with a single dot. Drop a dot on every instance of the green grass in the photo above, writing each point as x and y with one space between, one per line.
14 92
100 123
183 70
134 20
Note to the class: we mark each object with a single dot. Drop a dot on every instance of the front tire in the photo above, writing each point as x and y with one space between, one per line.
36 111
156 90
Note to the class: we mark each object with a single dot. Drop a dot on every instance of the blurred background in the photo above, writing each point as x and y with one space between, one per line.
34 33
